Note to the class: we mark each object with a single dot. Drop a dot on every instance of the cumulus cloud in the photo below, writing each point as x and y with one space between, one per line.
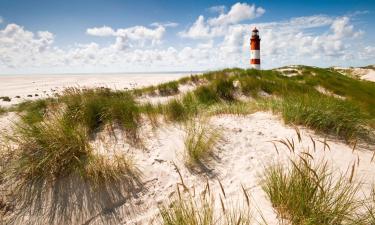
198 30
127 37
237 13
166 24
218 26
100 31
217 9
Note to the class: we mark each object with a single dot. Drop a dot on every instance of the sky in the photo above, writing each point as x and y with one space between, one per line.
114 36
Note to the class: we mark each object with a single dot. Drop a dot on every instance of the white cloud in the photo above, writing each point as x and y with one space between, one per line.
1 19
217 9
100 31
166 24
198 30
218 26
237 13
132 36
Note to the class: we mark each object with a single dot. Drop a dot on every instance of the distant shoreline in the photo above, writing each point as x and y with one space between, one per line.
114 73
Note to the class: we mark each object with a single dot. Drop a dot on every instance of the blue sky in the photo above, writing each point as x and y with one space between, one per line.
124 36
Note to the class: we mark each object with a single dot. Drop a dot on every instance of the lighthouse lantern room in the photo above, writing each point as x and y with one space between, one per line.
255 49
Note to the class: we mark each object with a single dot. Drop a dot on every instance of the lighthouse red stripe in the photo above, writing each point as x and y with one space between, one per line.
255 61
255 44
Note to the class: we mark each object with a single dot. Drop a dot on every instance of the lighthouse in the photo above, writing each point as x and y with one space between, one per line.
255 49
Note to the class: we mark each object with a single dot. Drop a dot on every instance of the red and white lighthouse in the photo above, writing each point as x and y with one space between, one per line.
255 49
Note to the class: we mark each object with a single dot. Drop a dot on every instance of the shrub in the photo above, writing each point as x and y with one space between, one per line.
308 194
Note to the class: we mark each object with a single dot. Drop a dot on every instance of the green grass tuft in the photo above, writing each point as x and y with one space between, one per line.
54 172
169 88
200 141
307 194
175 110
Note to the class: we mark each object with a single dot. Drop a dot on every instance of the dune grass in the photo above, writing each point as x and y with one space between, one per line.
2 110
325 114
54 172
32 111
97 107
185 209
169 88
304 193
200 141
368 214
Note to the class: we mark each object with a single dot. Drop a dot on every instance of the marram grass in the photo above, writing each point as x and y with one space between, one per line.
304 193
200 141
55 174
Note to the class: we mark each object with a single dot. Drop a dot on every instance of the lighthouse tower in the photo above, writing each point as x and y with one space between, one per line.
255 49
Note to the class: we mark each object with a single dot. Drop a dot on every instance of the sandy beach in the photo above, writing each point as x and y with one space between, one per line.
31 87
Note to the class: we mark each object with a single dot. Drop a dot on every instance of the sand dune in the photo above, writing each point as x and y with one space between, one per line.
239 160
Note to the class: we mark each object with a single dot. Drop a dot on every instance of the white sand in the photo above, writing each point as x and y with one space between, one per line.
48 85
239 160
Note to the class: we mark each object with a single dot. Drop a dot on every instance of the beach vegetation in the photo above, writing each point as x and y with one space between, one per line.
54 172
200 141
5 98
307 193
169 88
